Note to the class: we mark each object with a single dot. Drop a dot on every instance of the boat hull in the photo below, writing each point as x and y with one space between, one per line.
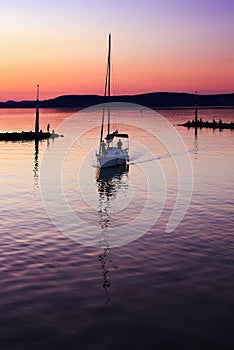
114 157
105 162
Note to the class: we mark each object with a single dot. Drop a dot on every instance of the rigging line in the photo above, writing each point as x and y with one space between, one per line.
115 88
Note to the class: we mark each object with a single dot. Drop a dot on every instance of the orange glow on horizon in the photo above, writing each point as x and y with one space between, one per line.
76 75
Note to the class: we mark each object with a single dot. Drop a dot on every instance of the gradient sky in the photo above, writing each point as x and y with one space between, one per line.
158 45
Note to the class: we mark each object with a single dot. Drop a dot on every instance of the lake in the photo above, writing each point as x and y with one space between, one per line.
139 257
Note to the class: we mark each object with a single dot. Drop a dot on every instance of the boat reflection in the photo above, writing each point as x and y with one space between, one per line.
108 174
110 183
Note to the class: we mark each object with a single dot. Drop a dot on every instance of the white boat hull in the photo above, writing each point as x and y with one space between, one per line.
113 157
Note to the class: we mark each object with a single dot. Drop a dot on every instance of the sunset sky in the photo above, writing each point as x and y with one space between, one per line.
158 45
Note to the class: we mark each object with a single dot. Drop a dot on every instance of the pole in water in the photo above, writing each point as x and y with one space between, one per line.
196 107
37 112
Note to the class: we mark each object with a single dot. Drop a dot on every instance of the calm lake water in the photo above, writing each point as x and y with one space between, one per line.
161 289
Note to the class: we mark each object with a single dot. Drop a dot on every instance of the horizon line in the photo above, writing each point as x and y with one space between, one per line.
196 92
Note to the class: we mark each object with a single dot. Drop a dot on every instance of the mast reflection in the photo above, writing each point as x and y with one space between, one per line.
110 182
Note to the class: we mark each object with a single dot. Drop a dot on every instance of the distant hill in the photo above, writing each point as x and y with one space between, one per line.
153 100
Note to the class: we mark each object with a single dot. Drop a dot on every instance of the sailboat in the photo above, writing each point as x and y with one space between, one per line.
111 152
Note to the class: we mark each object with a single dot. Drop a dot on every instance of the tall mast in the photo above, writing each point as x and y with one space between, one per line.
37 112
109 74
103 112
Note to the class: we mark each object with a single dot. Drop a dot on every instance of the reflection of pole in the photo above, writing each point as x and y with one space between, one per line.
37 112
35 170
195 142
36 151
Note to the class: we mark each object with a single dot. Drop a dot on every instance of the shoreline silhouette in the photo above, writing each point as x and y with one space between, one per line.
26 136
150 99
206 124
